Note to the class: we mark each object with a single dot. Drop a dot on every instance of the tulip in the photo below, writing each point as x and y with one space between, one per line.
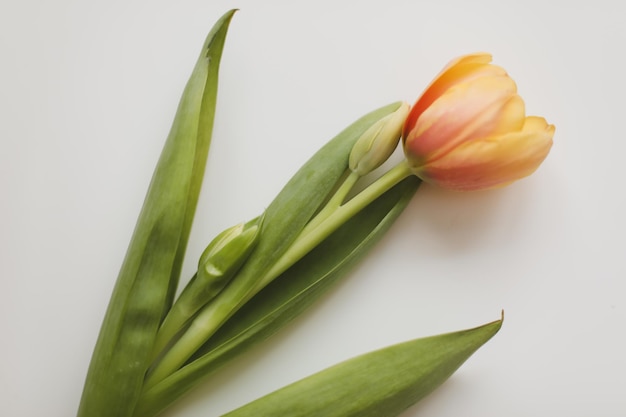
469 131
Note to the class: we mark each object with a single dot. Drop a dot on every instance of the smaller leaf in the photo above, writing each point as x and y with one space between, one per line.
382 383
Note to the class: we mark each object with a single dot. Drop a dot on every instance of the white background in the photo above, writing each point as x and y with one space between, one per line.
87 94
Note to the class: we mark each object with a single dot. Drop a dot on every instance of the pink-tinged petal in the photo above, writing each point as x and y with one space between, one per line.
477 108
492 162
458 70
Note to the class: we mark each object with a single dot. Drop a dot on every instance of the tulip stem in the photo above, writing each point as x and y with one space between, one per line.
172 324
333 204
332 217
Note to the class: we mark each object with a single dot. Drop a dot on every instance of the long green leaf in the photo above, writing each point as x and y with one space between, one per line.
299 200
149 274
382 383
285 298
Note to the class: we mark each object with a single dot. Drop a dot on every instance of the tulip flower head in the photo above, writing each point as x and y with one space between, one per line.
469 130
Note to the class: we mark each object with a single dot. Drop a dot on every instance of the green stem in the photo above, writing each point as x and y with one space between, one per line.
172 324
309 240
206 323
333 204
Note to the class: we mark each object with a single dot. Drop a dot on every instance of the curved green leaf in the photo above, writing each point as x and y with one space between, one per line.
382 383
295 205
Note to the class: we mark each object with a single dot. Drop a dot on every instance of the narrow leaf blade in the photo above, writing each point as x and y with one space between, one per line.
148 275
382 383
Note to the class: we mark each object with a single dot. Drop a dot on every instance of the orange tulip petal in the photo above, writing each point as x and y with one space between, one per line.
458 70
477 108
494 161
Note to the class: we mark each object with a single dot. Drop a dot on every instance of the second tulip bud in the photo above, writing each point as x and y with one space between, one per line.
378 142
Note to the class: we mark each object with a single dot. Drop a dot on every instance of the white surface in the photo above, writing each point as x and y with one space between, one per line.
87 94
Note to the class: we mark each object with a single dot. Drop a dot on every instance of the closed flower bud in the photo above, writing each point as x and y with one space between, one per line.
225 255
469 130
378 142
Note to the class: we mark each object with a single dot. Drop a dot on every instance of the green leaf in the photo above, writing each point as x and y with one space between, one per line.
298 201
149 274
382 383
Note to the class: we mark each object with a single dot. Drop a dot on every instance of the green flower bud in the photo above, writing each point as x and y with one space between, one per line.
221 259
228 251
378 142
